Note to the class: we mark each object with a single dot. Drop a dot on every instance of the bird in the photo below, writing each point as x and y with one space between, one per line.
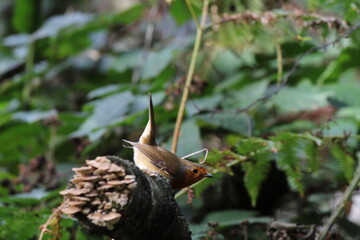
152 158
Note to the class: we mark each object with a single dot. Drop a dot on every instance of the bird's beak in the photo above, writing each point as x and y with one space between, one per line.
208 175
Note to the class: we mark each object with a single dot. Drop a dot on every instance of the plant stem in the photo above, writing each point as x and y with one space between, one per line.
339 210
29 66
56 213
199 31
279 63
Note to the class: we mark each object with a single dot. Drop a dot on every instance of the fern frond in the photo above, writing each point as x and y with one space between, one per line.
312 156
288 160
257 165
344 159
255 174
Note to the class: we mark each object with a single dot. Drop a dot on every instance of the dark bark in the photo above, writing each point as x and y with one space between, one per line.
151 211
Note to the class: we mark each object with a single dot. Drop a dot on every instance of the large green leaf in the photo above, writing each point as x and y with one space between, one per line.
189 140
107 111
157 61
301 98
346 93
198 105
227 61
232 122
34 116
246 95
54 25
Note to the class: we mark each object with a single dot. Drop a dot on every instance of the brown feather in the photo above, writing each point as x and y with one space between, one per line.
161 158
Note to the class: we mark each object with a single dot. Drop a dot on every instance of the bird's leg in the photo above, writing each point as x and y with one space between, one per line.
149 172
158 171
152 173
194 153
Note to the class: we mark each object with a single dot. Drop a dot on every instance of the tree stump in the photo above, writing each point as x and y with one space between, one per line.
112 196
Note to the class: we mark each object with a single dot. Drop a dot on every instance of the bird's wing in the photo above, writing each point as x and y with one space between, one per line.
161 158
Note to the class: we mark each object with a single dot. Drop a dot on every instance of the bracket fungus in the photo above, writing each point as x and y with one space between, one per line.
99 191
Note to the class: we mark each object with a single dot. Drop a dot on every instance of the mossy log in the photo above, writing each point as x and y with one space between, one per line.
112 196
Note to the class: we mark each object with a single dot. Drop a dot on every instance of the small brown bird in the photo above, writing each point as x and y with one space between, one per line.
150 157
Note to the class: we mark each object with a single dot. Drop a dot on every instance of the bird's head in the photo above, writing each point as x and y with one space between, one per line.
193 172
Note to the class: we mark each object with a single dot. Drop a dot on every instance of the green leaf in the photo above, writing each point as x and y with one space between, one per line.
54 25
288 160
34 116
24 15
125 61
345 161
131 15
107 111
180 12
312 156
345 93
141 102
229 83
104 90
197 105
349 112
190 139
233 122
227 61
157 62
246 95
301 98
256 166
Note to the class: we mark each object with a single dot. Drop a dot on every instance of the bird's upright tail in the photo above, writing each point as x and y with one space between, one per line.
148 136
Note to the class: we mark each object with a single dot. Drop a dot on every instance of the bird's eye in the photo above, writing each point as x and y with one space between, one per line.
195 170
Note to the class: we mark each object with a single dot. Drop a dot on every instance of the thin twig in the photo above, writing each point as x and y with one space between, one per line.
199 31
339 210
56 212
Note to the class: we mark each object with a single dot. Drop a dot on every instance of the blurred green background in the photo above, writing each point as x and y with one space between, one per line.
74 79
